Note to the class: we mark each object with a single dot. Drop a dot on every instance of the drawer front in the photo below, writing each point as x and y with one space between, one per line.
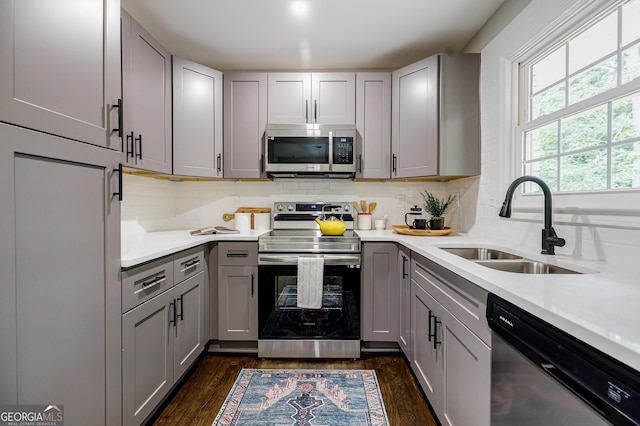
143 282
238 253
188 263
465 300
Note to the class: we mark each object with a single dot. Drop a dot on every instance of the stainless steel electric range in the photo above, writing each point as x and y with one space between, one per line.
285 329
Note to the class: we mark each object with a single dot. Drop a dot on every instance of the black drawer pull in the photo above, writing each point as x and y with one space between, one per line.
148 284
237 254
190 264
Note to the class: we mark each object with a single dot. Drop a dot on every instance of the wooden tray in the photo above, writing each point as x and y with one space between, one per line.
405 230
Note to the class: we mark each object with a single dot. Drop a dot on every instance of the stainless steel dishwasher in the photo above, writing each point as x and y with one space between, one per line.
540 375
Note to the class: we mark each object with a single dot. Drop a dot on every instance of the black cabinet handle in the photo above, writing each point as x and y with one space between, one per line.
306 110
181 314
139 140
431 316
173 304
393 164
435 333
252 285
119 171
119 106
238 254
315 110
404 269
360 163
130 138
219 163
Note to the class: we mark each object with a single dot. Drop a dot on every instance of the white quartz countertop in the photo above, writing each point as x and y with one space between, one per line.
599 306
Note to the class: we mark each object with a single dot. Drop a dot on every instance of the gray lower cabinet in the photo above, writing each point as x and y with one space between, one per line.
451 355
380 292
245 119
435 117
146 94
163 334
404 277
60 68
197 119
60 282
238 291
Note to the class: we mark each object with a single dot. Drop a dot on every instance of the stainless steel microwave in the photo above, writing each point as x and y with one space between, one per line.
313 150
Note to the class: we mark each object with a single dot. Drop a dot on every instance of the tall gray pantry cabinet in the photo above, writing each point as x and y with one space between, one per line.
60 213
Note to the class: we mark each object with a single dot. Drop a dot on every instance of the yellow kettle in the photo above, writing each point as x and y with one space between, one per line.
332 226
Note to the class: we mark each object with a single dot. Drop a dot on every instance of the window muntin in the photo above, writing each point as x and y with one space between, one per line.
581 126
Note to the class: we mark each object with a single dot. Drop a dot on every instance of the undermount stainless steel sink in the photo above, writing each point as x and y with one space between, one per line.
505 261
480 253
525 266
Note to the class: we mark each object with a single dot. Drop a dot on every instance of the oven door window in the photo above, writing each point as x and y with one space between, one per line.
298 150
280 317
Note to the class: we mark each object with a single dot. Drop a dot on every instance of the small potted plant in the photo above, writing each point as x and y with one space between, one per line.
436 208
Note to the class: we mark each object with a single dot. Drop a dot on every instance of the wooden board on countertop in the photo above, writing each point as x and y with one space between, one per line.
405 230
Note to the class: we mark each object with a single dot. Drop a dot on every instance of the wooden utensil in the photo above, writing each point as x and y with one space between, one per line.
372 206
355 205
230 216
363 206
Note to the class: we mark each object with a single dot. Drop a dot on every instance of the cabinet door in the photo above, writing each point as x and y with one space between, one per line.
197 119
467 371
414 136
146 91
245 119
238 302
373 122
59 286
333 98
380 285
60 68
427 357
289 98
147 356
404 330
189 327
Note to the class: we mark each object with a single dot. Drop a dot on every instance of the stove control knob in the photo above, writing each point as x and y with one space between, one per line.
279 207
290 207
346 208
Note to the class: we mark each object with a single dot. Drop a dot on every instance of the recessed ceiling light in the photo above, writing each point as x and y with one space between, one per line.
299 7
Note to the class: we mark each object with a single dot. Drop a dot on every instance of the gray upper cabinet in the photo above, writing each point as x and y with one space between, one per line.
197 119
51 51
60 286
373 122
436 117
311 98
245 118
146 91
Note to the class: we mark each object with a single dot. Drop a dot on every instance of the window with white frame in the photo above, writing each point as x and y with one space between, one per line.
580 106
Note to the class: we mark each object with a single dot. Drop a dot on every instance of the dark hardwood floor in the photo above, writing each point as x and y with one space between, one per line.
199 399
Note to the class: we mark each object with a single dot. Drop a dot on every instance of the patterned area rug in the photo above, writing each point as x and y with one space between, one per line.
304 398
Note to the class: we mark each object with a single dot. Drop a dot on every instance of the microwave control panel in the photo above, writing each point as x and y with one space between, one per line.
343 150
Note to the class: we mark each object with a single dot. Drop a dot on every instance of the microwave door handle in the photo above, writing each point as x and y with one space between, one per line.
330 151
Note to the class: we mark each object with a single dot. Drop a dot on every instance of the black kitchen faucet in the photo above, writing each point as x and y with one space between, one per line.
549 237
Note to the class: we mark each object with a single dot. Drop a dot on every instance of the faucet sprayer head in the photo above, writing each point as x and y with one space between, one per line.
505 211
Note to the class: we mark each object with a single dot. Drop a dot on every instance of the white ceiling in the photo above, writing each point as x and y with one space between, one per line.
332 35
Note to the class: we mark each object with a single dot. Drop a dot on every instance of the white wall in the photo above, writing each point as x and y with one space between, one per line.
155 204
607 234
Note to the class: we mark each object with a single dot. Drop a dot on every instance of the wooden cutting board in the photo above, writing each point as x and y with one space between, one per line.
405 230
230 216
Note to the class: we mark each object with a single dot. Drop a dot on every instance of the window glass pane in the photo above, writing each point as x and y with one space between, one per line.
625 118
593 81
625 166
584 171
631 63
584 130
549 70
547 170
598 41
548 101
541 142
630 18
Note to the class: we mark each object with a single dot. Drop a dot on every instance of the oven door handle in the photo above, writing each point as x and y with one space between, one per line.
292 259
